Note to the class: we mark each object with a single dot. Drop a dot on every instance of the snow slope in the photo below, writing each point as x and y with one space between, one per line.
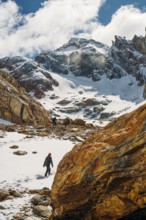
122 95
26 172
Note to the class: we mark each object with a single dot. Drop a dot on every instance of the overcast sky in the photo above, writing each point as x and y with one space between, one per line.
29 28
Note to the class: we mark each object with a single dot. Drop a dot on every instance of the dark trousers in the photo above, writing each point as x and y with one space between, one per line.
48 170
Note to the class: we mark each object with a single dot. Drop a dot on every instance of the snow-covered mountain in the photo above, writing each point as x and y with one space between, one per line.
82 79
85 78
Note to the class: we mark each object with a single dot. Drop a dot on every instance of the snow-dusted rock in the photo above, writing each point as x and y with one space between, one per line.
131 56
70 109
29 75
82 58
57 78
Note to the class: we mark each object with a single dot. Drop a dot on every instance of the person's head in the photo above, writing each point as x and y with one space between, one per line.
49 154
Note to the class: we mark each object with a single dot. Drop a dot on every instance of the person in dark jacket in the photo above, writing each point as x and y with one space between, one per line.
54 121
47 163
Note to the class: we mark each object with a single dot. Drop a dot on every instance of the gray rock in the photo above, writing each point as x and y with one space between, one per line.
14 147
70 109
105 115
98 109
41 200
42 211
87 112
20 152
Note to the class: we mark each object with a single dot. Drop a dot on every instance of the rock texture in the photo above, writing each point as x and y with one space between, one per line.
105 177
94 60
81 57
131 56
29 75
38 207
17 106
119 70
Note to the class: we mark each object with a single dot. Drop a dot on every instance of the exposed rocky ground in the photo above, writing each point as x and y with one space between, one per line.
67 129
38 207
103 177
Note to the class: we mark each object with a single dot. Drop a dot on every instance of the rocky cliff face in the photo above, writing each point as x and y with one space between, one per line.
80 57
105 177
93 59
131 56
115 76
17 106
29 75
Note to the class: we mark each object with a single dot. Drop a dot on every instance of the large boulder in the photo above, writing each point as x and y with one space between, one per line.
17 106
105 177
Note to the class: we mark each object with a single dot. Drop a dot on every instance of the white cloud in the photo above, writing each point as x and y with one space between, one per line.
9 18
58 20
50 27
126 22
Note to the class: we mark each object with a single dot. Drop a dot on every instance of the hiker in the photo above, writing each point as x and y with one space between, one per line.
47 163
54 121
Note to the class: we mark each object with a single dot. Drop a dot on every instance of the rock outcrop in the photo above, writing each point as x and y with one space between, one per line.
119 70
140 44
105 177
29 75
17 106
82 58
131 56
94 60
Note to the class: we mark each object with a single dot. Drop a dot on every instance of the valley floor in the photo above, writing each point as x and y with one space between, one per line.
26 172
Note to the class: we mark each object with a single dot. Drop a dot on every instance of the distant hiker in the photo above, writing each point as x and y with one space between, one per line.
47 163
54 121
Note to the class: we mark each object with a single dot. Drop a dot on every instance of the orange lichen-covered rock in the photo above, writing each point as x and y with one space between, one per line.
17 106
104 177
